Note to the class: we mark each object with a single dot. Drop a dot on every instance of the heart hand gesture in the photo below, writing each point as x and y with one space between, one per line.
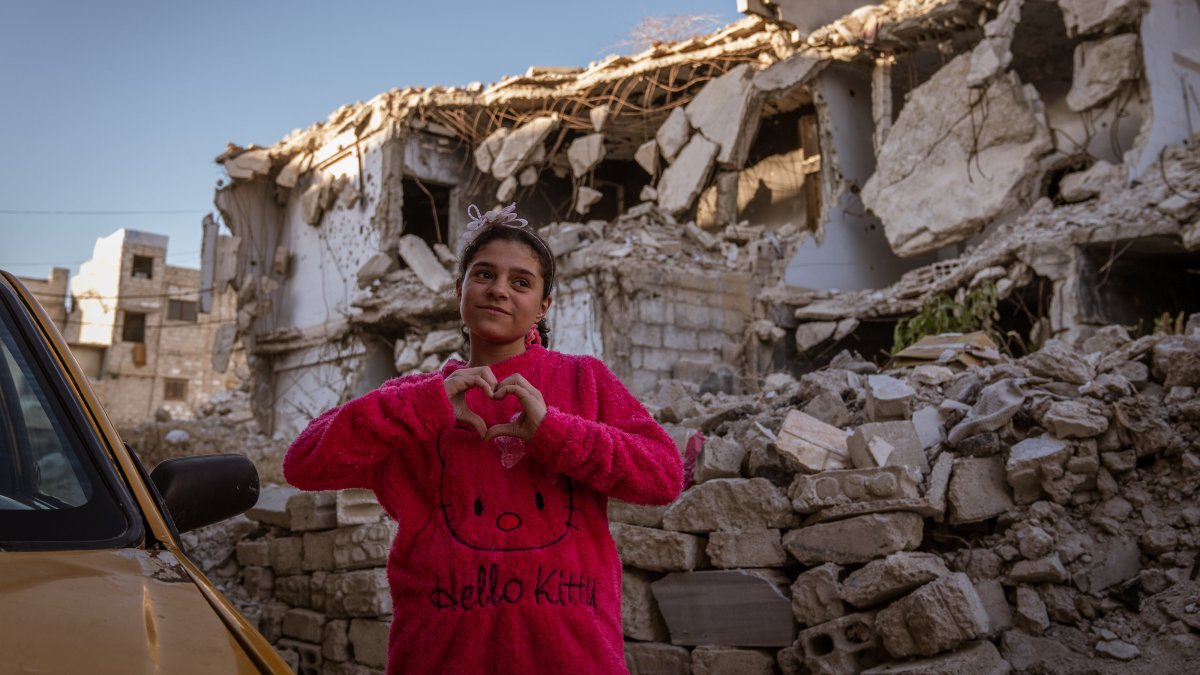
457 384
533 408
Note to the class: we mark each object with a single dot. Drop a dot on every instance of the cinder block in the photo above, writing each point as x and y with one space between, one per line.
362 593
312 511
362 546
679 338
335 643
357 506
309 662
811 493
727 661
653 549
259 582
294 590
271 507
838 646
746 548
287 555
370 641
256 552
304 624
318 551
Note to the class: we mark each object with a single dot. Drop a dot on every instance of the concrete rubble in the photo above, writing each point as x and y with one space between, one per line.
741 221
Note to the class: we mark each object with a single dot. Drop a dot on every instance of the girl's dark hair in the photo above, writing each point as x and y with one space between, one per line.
518 233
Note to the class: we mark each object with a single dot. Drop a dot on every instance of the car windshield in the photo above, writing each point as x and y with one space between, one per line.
53 492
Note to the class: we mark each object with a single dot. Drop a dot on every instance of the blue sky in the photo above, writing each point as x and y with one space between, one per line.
122 106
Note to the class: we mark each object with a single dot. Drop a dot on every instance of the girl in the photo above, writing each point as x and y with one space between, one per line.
498 471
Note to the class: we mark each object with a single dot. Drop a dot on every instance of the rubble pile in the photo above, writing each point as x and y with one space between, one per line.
1029 515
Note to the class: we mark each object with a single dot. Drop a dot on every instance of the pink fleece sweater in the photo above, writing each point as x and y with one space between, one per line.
495 569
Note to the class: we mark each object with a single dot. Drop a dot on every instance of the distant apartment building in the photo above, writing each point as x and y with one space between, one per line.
51 292
136 328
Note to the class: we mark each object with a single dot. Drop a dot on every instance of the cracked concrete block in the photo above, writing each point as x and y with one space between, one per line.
1057 360
730 504
746 548
905 446
646 156
979 657
720 457
978 490
1030 461
312 511
635 514
734 608
357 506
1176 361
640 618
787 73
812 333
651 658
726 661
995 602
359 593
360 546
682 181
816 595
937 617
928 423
335 640
721 110
811 493
407 356
1030 614
248 164
648 194
936 149
1114 561
938 484
1083 17
1091 182
256 552
307 655
422 260
441 341
295 590
673 134
585 153
888 398
812 444
1041 570
586 198
858 539
884 580
303 624
486 151
318 551
653 549
271 508
1073 419
369 640
838 646
378 266
520 145
598 116
828 408
1101 68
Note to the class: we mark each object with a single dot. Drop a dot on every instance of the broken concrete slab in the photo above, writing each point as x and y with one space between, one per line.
486 151
937 147
881 581
928 423
635 514
811 493
647 156
936 617
682 181
816 595
812 333
520 145
271 507
730 504
993 54
975 658
888 398
586 198
828 408
1084 17
1048 569
720 457
991 594
506 189
1102 67
1117 559
1058 361
785 74
1030 461
598 116
892 443
1073 419
673 134
248 164
441 341
653 549
1092 182
858 539
978 490
422 260
746 548
1030 613
812 444
376 267
585 153
735 608
721 110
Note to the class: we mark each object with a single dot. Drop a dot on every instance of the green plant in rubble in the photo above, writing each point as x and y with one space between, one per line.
942 314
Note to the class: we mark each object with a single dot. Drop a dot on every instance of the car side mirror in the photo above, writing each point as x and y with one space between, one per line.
200 491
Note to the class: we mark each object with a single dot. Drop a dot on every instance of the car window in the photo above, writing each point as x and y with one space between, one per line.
57 488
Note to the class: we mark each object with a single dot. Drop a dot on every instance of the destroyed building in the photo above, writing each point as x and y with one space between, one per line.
731 212
136 328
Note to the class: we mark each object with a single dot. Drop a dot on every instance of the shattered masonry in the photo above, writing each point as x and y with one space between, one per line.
730 211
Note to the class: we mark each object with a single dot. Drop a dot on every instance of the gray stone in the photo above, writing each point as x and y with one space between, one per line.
370 641
812 444
1084 17
1101 68
256 552
654 549
635 514
887 444
881 581
647 156
742 608
521 144
829 409
1117 649
787 73
682 181
888 398
1030 614
720 457
1114 561
422 261
640 618
318 551
1081 185
441 341
1057 361
730 504
928 423
335 640
651 658
721 109
746 548
585 153
1048 569
855 540
936 617
486 151
295 590
1027 653
1144 424
673 134
812 333
938 485
1073 419
287 555
271 508
975 658
726 661
1030 461
1176 361
816 595
995 603
376 267
935 149
978 490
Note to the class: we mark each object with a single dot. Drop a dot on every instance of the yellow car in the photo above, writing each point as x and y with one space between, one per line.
92 579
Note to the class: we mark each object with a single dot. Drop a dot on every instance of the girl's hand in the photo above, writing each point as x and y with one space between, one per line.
532 404
457 384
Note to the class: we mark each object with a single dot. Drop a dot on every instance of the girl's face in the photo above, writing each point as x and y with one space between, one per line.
500 295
